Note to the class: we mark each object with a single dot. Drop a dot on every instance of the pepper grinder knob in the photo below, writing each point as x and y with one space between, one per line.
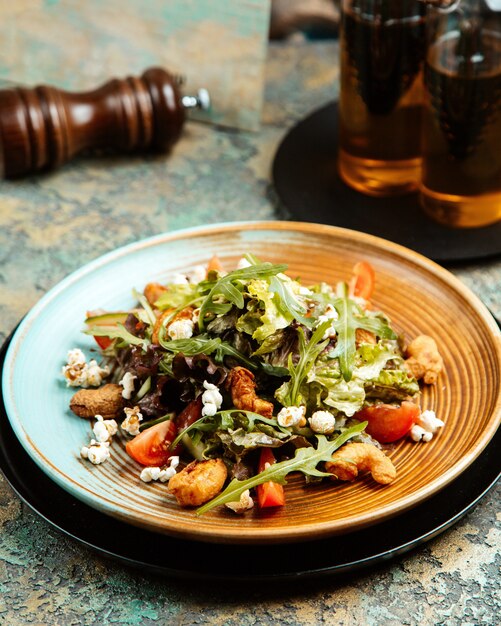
43 127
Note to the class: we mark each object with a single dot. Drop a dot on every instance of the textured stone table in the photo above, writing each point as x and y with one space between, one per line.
53 224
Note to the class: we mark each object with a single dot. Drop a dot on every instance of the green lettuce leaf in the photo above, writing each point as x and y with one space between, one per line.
392 386
373 358
273 318
287 296
340 394
231 419
270 344
177 296
249 322
239 440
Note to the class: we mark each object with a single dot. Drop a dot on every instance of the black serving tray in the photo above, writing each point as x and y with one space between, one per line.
307 184
179 558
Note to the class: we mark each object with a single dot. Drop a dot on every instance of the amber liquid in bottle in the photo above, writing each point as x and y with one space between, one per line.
381 100
462 131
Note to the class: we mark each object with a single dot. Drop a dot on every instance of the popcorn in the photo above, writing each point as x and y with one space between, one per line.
150 474
180 329
425 427
132 421
180 279
244 504
243 264
96 452
211 399
330 313
291 416
322 422
127 383
79 373
104 429
198 274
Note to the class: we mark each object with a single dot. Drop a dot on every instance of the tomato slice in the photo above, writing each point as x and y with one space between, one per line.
151 447
214 265
103 342
190 414
388 423
269 494
363 281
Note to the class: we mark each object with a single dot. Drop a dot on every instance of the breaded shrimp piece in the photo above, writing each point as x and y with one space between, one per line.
198 482
185 314
242 387
153 291
424 360
353 458
364 336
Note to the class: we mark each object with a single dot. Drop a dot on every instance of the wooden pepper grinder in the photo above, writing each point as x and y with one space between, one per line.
43 127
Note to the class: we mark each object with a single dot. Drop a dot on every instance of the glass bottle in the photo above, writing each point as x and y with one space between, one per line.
382 51
461 183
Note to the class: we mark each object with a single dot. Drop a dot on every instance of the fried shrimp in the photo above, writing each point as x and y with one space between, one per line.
424 360
353 458
198 482
364 336
243 392
153 291
185 314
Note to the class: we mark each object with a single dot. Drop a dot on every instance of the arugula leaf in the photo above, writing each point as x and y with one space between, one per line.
117 332
151 318
274 370
308 353
286 300
350 317
346 329
270 344
305 461
377 326
201 344
226 288
225 349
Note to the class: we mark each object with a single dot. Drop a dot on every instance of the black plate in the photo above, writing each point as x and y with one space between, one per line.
189 559
307 184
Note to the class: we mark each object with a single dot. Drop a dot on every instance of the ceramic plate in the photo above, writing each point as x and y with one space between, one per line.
419 296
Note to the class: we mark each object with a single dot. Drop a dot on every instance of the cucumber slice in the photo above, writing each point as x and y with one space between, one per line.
107 319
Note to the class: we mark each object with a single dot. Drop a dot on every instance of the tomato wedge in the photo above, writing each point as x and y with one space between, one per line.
388 423
363 281
190 414
151 447
103 342
215 265
269 494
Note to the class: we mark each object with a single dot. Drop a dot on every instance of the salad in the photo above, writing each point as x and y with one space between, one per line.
225 382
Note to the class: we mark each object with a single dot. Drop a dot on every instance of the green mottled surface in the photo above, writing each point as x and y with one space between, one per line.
209 42
51 225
